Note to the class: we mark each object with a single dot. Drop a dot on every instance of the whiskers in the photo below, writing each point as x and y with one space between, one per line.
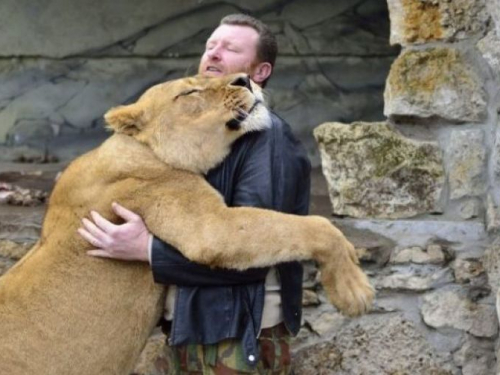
241 113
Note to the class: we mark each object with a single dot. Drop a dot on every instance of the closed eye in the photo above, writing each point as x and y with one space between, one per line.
187 92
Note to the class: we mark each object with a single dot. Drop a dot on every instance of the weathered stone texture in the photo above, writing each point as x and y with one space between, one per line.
10 253
495 163
436 82
492 216
373 171
476 357
421 21
55 87
44 103
414 278
453 309
494 10
467 156
153 356
489 47
433 254
468 239
100 24
469 209
386 344
466 270
491 262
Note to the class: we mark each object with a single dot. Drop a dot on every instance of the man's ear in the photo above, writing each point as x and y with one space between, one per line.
125 119
261 72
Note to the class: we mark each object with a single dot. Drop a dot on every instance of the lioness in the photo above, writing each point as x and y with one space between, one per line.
64 312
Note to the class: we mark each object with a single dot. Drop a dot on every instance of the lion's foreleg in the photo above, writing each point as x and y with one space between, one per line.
264 238
243 237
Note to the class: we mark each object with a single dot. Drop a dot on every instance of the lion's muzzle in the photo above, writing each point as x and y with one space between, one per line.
235 123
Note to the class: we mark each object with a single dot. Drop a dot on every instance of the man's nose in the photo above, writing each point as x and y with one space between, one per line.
214 53
243 81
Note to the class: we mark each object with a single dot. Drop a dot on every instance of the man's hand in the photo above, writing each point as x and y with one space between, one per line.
127 241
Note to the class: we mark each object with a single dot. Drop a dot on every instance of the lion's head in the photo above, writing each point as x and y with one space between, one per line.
190 123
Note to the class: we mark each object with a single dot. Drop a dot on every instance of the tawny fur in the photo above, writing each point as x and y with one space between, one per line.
64 312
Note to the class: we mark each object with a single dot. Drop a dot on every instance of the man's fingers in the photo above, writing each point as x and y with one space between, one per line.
99 253
89 237
124 213
94 230
104 225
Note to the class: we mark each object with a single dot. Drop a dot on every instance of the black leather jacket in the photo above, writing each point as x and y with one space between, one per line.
267 169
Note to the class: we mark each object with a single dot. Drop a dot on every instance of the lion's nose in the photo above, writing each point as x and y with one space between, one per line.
243 81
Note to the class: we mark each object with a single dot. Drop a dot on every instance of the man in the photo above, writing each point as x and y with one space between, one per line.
216 316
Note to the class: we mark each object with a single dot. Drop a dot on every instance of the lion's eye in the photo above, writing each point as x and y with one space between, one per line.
187 92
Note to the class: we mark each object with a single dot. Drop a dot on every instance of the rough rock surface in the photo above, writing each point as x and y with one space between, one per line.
423 21
433 254
490 49
373 171
452 308
476 357
492 215
435 82
385 344
333 62
466 270
494 10
491 262
466 156
11 252
413 278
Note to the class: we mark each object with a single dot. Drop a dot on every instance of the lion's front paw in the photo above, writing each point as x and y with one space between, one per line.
347 287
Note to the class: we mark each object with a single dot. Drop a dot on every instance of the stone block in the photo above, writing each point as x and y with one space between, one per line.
373 171
489 46
491 263
476 357
457 238
469 209
494 10
436 82
413 278
466 156
451 308
433 254
492 216
310 298
466 270
495 162
423 21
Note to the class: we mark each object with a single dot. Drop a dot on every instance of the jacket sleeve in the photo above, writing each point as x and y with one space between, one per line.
170 267
253 187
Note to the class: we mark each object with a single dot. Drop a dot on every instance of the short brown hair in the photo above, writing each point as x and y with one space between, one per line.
267 48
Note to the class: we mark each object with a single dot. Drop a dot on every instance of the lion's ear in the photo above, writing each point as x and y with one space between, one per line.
125 119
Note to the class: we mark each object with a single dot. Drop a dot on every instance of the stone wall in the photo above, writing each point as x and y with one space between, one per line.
419 196
64 63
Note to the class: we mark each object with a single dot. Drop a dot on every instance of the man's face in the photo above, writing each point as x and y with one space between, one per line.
230 49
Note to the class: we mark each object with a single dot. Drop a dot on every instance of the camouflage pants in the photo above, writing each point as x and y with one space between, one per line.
226 357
